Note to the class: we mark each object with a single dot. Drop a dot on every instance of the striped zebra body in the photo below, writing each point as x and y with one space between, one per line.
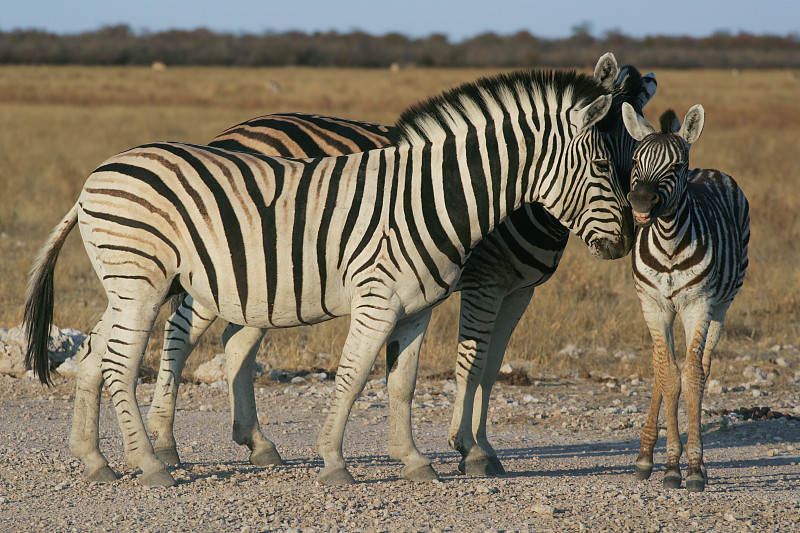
689 259
382 236
501 274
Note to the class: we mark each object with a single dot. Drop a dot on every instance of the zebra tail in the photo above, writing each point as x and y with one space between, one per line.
38 318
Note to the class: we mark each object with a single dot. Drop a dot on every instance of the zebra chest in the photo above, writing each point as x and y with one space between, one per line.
674 270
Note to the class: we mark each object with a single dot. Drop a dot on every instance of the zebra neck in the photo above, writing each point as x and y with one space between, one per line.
462 188
670 231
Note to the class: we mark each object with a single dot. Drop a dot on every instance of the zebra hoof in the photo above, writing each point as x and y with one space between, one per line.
168 456
266 456
695 484
336 477
477 465
672 480
160 478
419 474
643 472
102 475
497 466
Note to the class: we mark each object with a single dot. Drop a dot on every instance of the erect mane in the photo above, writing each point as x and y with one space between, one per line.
426 120
627 92
668 121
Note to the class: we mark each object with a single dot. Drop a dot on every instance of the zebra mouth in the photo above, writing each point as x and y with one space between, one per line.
643 219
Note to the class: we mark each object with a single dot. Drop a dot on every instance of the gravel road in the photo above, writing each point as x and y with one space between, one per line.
568 444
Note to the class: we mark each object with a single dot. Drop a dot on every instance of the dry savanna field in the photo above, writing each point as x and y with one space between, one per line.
58 123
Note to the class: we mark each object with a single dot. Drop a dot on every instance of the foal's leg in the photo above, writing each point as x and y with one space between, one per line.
667 384
697 323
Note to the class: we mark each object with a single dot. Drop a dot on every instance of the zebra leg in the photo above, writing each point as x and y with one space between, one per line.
181 333
693 378
644 462
402 358
509 315
128 334
374 314
241 346
479 308
715 330
84 441
660 318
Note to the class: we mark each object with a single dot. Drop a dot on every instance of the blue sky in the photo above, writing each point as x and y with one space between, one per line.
458 19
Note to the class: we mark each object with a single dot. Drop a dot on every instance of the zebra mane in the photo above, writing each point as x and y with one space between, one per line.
669 122
628 92
487 99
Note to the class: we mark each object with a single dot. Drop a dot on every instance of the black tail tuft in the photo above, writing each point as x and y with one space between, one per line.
39 303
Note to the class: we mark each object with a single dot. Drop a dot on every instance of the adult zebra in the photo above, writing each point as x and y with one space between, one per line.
501 274
270 242
689 258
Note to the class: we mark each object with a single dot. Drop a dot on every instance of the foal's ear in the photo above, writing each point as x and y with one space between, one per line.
693 124
637 126
607 70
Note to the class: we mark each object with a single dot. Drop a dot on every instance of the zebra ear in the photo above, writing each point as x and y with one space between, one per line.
637 126
693 124
588 116
649 86
607 70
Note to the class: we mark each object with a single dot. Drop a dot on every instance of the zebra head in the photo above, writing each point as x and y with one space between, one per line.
593 207
660 162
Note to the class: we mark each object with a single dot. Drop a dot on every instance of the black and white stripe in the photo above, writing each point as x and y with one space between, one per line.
500 275
689 259
381 235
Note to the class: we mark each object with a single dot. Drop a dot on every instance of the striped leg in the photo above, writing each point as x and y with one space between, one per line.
402 358
84 442
715 330
511 311
479 308
644 462
241 347
668 380
374 315
181 333
129 329
693 377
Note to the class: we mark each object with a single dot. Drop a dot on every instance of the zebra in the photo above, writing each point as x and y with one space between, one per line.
689 258
538 252
270 242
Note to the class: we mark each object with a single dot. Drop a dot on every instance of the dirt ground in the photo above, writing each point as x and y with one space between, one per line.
568 446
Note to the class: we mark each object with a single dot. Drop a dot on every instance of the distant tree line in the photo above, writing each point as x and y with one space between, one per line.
119 45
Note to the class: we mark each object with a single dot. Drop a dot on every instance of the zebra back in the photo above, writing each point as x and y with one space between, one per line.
303 135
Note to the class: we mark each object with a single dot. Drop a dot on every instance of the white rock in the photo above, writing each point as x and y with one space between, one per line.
543 509
506 369
754 374
571 350
782 362
62 344
69 368
216 370
298 380
715 387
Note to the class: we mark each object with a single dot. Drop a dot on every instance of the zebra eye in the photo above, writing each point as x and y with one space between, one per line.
602 166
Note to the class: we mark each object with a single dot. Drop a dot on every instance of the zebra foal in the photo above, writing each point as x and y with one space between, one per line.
502 272
268 242
689 259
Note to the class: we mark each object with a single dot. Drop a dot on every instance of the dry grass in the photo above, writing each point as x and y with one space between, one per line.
57 124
